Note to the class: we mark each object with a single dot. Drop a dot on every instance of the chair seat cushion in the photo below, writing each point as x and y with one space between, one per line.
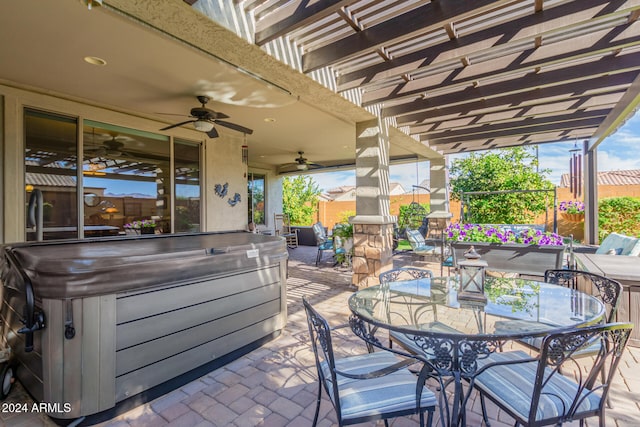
620 245
512 386
389 393
448 262
326 246
426 248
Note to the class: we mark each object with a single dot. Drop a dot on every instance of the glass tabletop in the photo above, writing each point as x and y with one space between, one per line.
514 308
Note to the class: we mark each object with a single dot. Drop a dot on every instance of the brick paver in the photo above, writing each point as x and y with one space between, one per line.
276 385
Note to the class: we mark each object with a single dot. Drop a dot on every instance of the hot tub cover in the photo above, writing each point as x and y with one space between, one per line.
80 268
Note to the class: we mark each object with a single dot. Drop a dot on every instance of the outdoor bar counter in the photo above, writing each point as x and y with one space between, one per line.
93 322
625 270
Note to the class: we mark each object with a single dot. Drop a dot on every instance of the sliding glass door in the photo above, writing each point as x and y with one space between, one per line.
127 178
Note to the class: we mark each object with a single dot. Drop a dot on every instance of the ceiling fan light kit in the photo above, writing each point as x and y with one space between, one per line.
204 119
300 163
203 125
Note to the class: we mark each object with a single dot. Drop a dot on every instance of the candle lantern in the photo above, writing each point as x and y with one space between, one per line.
472 277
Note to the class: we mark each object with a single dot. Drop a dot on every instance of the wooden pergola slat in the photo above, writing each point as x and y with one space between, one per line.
512 72
523 28
294 15
569 50
513 141
491 132
529 82
606 101
432 15
535 97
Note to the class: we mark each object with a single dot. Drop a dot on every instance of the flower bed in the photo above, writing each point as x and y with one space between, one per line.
492 234
146 226
528 251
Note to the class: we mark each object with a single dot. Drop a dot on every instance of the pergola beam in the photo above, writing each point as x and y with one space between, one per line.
629 103
535 127
435 14
522 29
513 141
454 119
574 49
294 15
562 76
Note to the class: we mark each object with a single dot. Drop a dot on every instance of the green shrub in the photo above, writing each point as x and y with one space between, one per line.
619 215
343 217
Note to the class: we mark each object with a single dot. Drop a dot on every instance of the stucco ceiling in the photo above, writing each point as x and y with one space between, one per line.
149 73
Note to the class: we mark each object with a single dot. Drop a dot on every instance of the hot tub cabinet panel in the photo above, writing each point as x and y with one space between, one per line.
128 339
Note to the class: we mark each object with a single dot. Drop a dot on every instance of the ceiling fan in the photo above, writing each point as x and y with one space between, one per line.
203 119
300 163
111 147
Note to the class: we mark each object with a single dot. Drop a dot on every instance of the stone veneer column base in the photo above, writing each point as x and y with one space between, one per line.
372 253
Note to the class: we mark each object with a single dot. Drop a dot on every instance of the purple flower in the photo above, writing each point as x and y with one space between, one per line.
483 233
571 207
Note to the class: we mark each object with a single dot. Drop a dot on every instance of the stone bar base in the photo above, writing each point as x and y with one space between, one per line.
372 253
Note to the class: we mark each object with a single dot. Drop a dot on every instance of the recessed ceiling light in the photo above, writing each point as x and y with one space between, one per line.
90 3
94 60
270 120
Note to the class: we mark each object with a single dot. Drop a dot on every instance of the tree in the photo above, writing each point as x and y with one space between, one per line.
300 199
506 169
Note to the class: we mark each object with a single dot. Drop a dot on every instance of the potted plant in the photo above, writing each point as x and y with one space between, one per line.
146 226
526 251
343 242
572 210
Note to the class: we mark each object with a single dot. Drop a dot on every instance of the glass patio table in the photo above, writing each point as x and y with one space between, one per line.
451 335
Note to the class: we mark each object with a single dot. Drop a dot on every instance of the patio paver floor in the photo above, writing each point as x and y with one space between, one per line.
276 385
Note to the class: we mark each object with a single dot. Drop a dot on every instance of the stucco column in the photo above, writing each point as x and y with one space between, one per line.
372 225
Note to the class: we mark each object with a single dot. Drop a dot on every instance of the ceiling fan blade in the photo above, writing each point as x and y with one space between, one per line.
171 114
218 115
177 124
287 169
234 127
213 133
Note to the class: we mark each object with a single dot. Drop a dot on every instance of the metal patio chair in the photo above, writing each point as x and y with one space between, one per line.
533 390
322 241
367 387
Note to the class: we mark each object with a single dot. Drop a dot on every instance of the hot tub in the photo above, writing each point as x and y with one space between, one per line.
94 322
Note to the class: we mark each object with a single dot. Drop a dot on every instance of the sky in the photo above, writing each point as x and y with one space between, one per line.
620 151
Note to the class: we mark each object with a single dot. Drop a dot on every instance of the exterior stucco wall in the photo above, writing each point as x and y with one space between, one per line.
222 161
